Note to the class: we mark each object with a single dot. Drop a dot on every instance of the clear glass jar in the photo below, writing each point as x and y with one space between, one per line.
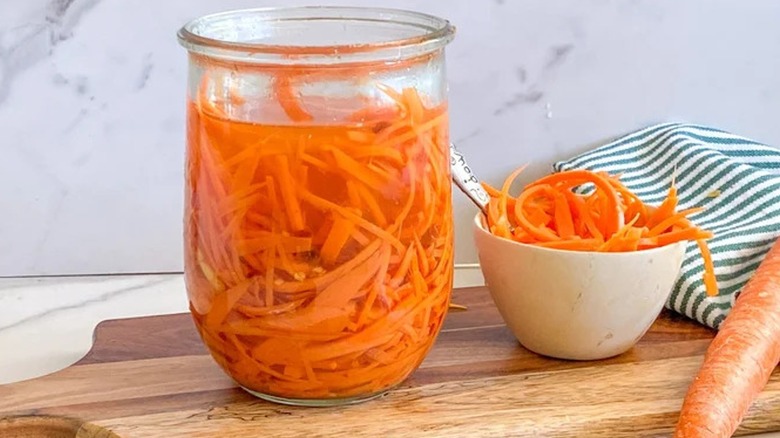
318 218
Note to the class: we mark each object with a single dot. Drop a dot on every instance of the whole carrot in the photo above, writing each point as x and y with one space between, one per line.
740 359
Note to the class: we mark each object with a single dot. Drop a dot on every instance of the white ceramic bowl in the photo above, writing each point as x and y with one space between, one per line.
576 305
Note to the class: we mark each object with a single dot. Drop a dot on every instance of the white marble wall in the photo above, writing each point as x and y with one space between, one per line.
92 95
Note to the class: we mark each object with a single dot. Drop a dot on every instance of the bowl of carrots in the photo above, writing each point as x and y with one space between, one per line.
578 266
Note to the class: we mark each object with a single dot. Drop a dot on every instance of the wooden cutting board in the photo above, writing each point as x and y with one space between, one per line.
151 377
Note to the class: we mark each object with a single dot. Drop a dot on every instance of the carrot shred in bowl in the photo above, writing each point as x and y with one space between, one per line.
610 218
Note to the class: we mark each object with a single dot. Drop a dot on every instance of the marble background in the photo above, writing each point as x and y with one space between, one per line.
92 99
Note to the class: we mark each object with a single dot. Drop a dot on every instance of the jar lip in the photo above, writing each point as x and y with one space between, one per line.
435 32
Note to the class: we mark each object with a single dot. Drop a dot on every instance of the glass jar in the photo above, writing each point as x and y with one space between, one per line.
318 218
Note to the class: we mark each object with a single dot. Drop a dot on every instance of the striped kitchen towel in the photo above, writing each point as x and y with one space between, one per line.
734 178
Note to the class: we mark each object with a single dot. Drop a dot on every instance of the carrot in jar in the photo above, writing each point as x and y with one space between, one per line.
326 250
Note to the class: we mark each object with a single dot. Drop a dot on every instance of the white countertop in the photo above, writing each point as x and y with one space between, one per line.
46 323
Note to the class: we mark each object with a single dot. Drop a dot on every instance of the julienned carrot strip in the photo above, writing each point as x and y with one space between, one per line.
739 361
570 179
574 244
407 207
378 286
521 236
287 189
245 327
326 205
403 267
671 220
397 97
491 191
353 195
264 240
214 252
540 233
710 282
428 212
314 161
241 199
614 243
373 335
285 94
371 204
666 208
293 268
564 224
326 321
327 276
412 134
583 212
362 173
680 235
208 272
270 253
223 303
503 213
269 277
498 226
418 281
413 104
388 174
548 213
422 257
345 288
535 215
628 198
339 234
253 311
360 238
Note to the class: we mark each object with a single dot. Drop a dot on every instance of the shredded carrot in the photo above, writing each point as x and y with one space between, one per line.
338 237
739 361
710 282
319 257
289 102
549 213
541 233
605 193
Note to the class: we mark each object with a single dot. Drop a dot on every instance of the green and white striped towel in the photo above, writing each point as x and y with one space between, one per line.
734 178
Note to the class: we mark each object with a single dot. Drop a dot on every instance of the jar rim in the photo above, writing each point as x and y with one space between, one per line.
434 33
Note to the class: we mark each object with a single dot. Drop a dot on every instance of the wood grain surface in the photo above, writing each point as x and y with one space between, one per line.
151 377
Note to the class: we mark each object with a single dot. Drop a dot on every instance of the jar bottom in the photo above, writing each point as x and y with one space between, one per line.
317 403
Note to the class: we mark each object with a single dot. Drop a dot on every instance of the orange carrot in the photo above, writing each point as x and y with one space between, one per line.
574 244
582 211
542 233
740 359
710 282
288 193
289 102
572 178
548 213
671 220
503 216
319 257
337 238
564 223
